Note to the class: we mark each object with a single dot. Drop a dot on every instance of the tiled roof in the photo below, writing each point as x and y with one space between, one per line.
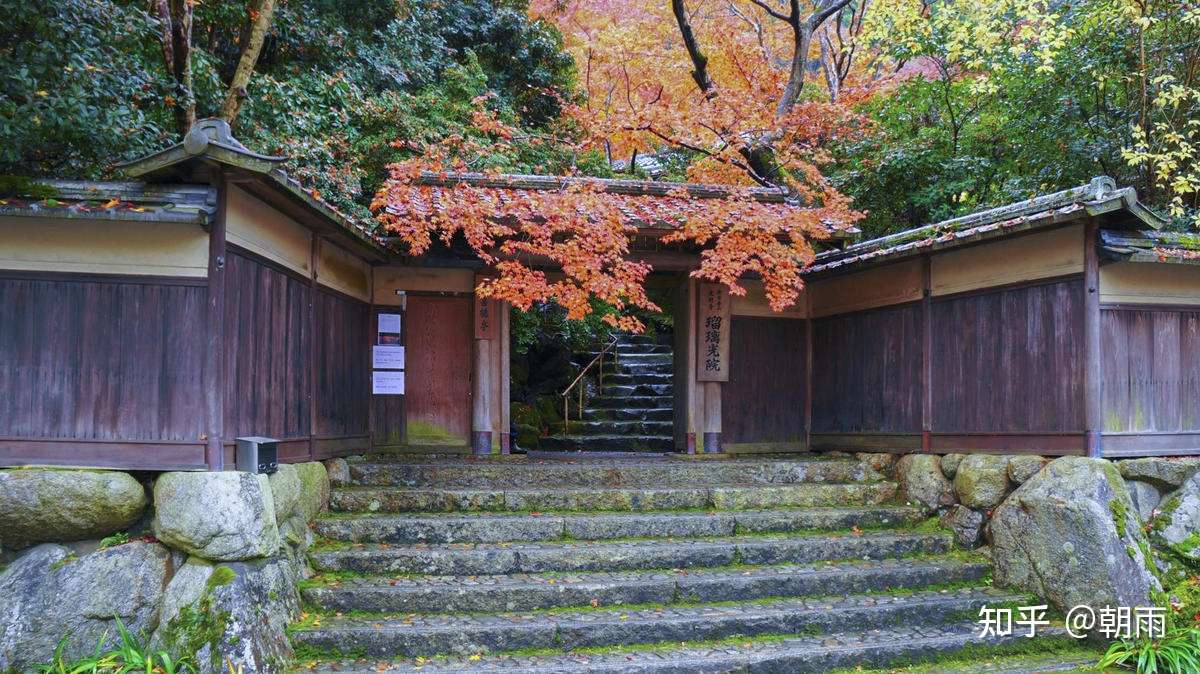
133 201
1151 246
1099 196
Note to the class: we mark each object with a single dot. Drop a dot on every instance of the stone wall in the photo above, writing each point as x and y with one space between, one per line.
1073 530
198 564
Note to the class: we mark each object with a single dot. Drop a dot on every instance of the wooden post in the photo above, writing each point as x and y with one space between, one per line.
214 363
482 408
1093 413
712 356
370 396
808 367
486 333
926 353
505 376
313 255
690 409
712 417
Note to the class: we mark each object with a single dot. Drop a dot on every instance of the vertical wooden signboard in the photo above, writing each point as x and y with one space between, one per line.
712 354
487 319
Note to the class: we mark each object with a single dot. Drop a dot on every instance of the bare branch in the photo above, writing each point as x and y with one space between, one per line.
772 11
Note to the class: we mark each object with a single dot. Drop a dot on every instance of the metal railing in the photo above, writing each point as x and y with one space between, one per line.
578 381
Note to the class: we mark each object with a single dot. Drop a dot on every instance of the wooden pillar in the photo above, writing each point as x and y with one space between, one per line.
505 344
808 367
1092 404
712 356
367 362
486 333
712 417
313 255
214 364
926 353
691 408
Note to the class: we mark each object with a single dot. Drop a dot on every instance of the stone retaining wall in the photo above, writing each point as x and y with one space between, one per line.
198 564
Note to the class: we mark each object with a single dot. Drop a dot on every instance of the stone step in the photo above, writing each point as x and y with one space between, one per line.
413 636
532 592
641 402
739 497
795 655
619 414
660 429
457 559
594 473
624 359
607 443
626 339
610 390
639 379
502 528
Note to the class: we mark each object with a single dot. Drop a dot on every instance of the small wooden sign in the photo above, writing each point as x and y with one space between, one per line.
712 353
487 319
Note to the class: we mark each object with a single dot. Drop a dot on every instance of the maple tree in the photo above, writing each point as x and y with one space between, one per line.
739 113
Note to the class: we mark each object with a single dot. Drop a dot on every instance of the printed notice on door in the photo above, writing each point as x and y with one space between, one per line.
387 383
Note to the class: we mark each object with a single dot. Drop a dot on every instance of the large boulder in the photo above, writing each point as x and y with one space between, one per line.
1146 498
966 524
981 481
922 482
37 506
285 491
1177 526
1068 535
238 611
950 463
221 516
48 594
314 488
1023 467
1164 473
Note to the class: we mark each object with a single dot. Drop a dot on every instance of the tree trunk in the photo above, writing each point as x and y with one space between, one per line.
260 23
175 18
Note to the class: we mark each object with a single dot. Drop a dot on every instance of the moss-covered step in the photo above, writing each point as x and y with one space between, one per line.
429 635
616 473
780 654
490 559
529 592
369 499
502 527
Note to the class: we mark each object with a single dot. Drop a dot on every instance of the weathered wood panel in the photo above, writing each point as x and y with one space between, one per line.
63 245
343 366
266 345
437 333
387 411
890 284
867 372
1151 377
764 398
1141 283
1009 361
101 359
1012 260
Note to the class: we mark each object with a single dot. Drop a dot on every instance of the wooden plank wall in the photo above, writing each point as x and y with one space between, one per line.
763 401
102 358
266 350
1009 361
867 371
343 366
1151 370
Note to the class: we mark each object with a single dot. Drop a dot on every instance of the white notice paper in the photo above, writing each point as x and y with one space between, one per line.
389 323
387 382
387 357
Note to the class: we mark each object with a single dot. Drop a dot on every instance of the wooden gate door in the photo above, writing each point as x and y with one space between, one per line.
437 334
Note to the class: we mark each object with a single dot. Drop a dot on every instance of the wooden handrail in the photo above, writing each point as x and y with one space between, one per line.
599 358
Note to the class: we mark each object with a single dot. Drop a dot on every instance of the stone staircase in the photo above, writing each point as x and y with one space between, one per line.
643 564
634 410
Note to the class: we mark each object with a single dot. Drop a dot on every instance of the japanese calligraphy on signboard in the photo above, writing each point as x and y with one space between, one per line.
712 354
487 319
